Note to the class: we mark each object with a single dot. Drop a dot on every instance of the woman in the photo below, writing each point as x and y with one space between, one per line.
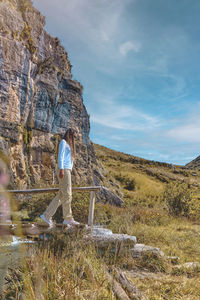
66 155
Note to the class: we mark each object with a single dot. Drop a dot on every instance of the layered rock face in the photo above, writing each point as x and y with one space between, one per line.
39 99
194 164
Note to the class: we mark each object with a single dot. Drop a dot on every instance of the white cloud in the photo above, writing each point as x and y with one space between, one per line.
189 128
129 46
99 34
96 25
124 117
186 133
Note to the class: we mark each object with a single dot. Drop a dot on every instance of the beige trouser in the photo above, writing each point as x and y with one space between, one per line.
63 197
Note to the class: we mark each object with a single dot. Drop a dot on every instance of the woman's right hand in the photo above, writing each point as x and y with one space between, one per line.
61 174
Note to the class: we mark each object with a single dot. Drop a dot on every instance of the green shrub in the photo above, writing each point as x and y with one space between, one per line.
34 206
128 183
178 198
27 38
80 207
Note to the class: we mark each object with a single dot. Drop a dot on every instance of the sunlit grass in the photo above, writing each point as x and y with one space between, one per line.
170 287
73 272
67 268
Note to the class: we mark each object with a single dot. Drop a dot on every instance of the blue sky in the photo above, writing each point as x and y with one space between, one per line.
139 63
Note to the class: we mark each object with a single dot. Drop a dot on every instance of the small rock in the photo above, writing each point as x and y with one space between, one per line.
140 249
173 259
142 274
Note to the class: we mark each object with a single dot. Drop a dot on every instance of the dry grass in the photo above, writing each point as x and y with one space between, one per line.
77 272
145 216
73 272
170 287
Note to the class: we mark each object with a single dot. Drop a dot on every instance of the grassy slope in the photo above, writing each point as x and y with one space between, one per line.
145 216
142 181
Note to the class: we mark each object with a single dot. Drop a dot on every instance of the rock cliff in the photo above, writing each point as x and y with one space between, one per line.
39 99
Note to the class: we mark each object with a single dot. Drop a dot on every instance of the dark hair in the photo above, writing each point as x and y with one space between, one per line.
69 138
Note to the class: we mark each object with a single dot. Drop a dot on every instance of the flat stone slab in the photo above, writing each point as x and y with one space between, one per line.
104 237
97 230
141 274
189 265
140 249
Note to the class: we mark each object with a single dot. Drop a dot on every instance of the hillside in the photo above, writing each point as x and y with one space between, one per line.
142 181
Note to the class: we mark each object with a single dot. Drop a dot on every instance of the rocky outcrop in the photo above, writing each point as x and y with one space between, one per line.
194 164
110 197
38 96
39 100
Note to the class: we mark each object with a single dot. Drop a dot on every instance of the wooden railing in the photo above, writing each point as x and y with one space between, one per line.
91 189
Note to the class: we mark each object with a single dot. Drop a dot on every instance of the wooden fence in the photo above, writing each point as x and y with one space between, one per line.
91 189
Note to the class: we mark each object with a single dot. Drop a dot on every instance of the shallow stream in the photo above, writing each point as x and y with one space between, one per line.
12 250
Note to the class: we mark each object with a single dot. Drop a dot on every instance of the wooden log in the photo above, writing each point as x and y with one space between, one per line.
117 288
91 208
53 190
133 291
7 229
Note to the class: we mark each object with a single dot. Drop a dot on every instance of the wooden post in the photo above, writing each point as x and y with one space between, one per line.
91 209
